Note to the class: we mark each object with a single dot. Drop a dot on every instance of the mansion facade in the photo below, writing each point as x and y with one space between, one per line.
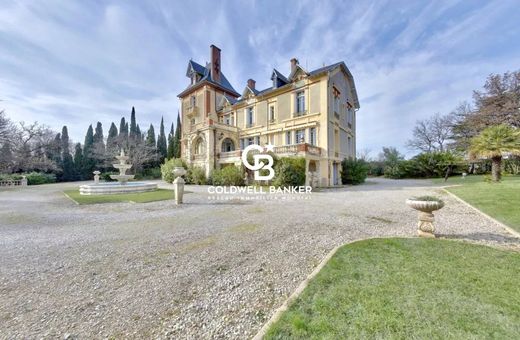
311 114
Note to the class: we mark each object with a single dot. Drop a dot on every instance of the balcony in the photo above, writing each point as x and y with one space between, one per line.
192 111
296 149
229 154
299 114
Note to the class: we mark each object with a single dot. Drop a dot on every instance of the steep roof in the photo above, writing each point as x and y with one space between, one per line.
315 72
205 74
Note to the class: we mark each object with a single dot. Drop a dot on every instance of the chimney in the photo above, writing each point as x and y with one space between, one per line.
251 84
215 63
294 62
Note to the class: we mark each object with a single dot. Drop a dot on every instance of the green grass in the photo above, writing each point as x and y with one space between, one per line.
499 200
408 289
142 197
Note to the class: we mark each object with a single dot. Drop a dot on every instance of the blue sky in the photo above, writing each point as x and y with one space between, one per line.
79 62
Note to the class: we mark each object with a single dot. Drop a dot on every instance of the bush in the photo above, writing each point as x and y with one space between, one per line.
149 173
167 168
196 175
105 176
34 178
353 171
289 171
376 168
228 175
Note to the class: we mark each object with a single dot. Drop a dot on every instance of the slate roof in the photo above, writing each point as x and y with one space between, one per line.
205 74
280 76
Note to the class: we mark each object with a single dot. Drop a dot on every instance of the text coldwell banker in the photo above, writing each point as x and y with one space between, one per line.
259 190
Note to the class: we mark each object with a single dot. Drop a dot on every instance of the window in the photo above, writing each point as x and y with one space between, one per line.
250 141
193 101
350 118
199 146
257 138
228 145
227 120
349 145
336 95
249 118
300 136
288 138
300 102
192 121
271 113
312 136
241 144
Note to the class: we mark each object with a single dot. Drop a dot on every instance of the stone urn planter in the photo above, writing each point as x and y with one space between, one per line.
425 205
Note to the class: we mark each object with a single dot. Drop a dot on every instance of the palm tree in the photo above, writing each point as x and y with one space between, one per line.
492 143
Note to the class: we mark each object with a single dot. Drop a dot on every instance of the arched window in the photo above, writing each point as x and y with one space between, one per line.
228 145
199 146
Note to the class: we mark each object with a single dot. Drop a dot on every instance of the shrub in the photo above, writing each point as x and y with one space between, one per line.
167 168
34 178
376 168
289 171
353 171
228 175
149 173
105 176
196 175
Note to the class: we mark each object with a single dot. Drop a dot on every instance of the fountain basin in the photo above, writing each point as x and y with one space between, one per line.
109 188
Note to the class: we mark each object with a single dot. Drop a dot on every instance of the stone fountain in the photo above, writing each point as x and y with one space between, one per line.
123 184
122 166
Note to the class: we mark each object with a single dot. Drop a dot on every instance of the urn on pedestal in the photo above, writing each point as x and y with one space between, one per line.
425 205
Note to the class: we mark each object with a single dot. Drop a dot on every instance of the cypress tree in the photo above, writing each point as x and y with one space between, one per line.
150 137
171 139
55 153
122 138
161 143
112 140
88 153
78 162
133 125
99 143
66 158
178 132
122 125
139 134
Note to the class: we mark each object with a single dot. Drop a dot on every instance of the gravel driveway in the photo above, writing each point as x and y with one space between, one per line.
207 269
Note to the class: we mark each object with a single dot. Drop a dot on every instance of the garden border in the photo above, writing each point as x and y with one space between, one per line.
297 292
507 228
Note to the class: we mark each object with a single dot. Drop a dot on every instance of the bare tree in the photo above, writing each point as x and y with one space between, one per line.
431 134
7 128
499 103
29 145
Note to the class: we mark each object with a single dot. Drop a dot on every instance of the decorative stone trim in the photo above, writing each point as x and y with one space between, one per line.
507 228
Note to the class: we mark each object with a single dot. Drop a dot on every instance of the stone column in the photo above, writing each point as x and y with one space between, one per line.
178 186
425 225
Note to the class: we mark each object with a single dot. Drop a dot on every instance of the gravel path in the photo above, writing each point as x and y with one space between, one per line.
203 270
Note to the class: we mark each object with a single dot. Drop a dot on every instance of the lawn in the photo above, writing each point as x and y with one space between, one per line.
499 200
408 288
141 197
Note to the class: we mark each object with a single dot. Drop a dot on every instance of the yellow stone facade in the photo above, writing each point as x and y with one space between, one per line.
308 114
